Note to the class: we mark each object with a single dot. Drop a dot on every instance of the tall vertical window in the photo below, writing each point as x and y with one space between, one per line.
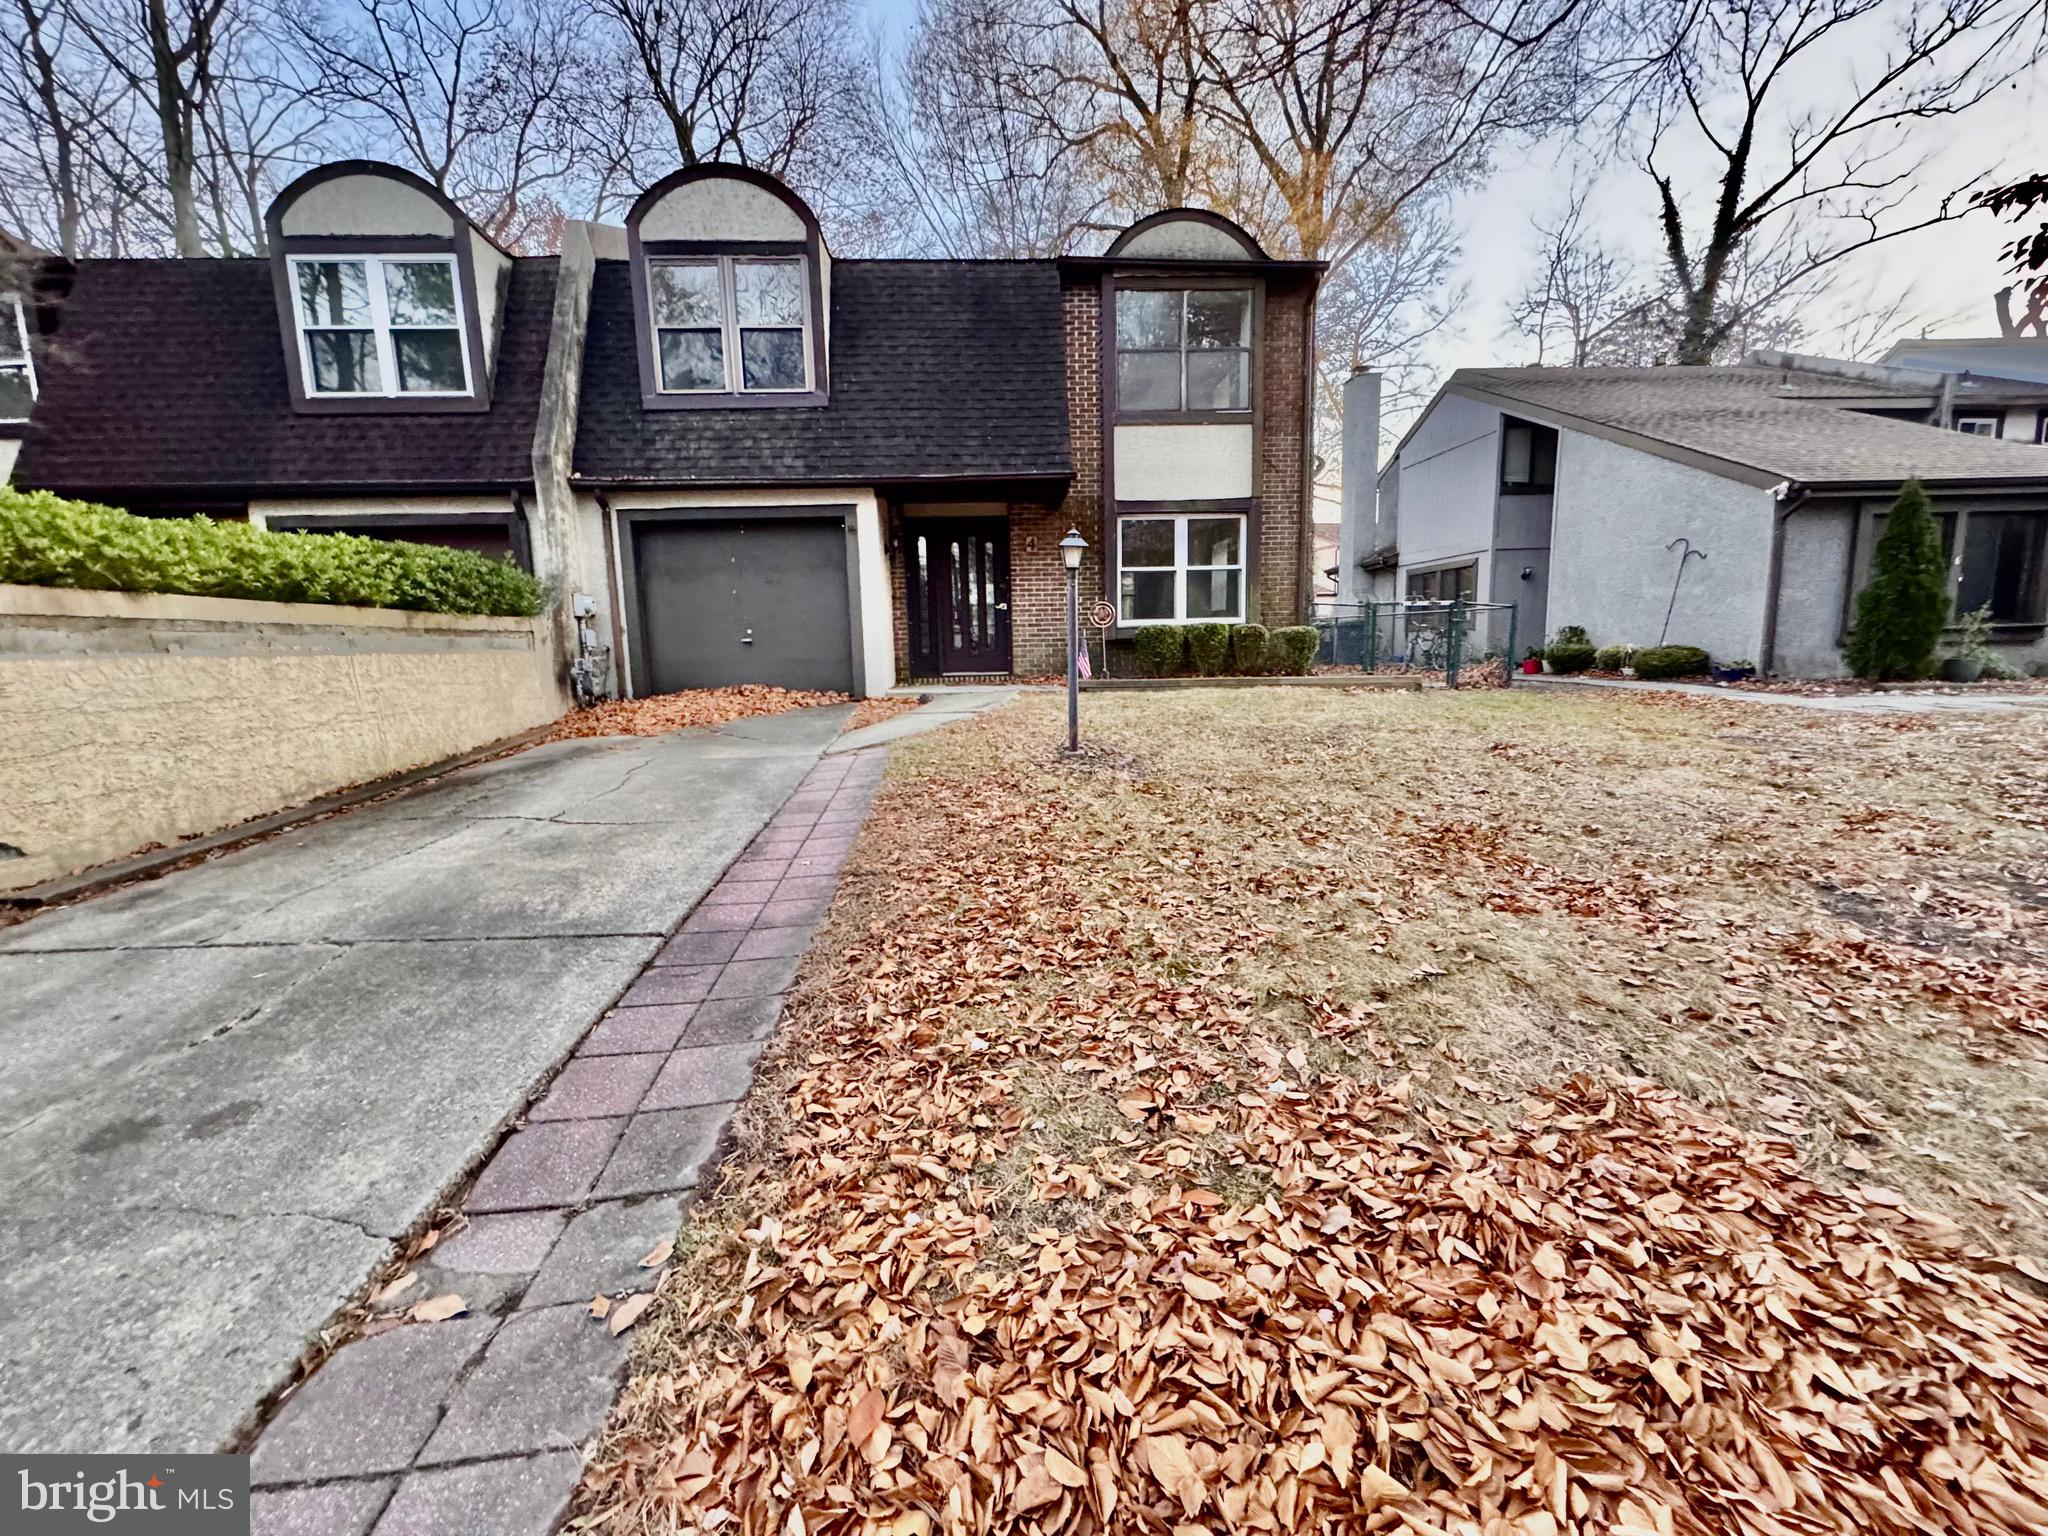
1183 569
380 325
1528 457
726 324
17 368
1183 349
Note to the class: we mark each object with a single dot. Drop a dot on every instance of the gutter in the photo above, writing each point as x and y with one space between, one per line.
1790 496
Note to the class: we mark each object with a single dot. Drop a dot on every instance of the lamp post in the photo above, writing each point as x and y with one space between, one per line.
1071 548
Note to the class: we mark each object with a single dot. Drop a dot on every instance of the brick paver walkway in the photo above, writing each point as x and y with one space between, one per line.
472 1427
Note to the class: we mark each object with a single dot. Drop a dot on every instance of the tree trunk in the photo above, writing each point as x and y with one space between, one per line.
174 117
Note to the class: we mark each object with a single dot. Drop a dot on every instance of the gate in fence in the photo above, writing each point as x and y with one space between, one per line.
1452 640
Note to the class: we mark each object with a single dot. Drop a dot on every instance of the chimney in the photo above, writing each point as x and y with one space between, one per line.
1356 534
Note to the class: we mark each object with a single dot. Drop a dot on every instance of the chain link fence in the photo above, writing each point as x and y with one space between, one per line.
1461 644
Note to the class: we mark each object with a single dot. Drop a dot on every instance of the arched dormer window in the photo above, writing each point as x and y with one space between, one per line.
730 275
388 297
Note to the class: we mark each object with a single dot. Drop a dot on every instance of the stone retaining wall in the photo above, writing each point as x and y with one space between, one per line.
131 719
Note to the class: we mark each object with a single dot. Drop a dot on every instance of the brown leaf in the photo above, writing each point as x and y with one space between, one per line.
627 1312
438 1309
658 1255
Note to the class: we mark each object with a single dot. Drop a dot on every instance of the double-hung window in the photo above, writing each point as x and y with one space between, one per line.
380 325
730 324
1183 569
17 367
1183 349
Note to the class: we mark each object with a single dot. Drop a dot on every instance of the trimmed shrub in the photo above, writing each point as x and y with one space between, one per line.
1654 661
1570 655
1900 614
47 541
1248 649
1612 658
1161 649
1291 649
1572 634
1209 648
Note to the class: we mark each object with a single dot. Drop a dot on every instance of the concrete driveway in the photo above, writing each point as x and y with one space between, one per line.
227 1090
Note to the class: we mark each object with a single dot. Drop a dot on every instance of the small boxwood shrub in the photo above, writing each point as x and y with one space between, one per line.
1291 649
1161 649
1572 634
47 541
1670 661
1248 649
1570 655
1612 658
1209 648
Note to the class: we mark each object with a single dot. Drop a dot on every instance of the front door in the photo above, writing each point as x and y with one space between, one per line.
965 574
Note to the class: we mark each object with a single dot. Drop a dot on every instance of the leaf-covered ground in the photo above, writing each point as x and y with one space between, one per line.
1361 1111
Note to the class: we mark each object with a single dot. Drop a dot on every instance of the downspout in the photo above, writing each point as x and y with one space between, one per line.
613 598
1789 495
1945 401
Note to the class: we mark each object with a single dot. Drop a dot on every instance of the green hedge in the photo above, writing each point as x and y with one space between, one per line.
1612 658
1291 650
1209 648
47 541
1161 649
1656 661
1248 649
1570 656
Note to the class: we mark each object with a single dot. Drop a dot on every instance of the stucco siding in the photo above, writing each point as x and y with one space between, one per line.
1449 477
1186 240
1616 509
1170 462
366 205
130 719
721 208
1813 591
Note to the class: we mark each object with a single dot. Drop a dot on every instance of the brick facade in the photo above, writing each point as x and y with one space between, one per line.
1286 534
1282 559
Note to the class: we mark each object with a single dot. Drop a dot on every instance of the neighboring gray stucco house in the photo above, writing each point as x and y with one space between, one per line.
1562 490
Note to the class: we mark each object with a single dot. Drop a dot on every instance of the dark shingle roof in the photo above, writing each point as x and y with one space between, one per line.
1787 424
169 376
939 369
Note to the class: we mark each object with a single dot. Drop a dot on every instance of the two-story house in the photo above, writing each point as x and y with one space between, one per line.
732 457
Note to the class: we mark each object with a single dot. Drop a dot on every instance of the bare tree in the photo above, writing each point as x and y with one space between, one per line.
1354 109
1587 306
752 82
169 53
960 150
1739 85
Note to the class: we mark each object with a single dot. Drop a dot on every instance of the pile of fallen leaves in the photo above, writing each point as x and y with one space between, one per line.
1049 1225
660 713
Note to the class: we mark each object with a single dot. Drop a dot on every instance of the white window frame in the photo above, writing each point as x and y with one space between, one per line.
729 322
27 366
1180 567
380 326
1967 422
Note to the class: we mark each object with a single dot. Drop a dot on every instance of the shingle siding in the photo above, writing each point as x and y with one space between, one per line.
168 377
938 370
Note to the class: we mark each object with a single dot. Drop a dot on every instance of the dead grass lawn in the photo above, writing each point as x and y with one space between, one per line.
1313 1110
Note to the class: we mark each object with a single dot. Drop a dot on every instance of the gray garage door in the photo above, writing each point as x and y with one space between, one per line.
753 601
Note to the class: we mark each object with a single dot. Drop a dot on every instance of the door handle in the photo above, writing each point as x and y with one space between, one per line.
746 637
1002 607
